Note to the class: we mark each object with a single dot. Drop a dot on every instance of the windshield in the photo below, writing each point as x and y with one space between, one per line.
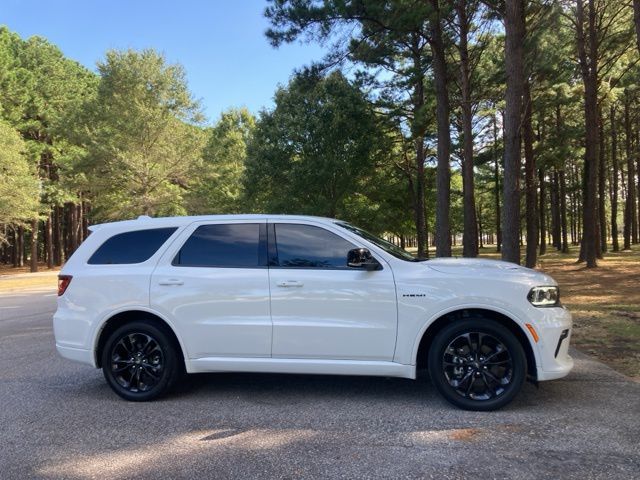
388 247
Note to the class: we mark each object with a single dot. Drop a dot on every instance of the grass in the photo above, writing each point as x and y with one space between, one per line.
12 279
605 301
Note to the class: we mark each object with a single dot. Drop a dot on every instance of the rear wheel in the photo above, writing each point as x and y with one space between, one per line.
139 361
477 364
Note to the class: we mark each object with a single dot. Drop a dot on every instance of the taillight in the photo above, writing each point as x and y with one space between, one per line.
63 283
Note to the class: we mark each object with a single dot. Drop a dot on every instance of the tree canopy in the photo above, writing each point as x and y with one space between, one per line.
433 123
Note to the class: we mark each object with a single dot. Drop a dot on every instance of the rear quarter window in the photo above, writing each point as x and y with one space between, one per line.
131 247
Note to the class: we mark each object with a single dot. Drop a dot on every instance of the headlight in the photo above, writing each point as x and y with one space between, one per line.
544 296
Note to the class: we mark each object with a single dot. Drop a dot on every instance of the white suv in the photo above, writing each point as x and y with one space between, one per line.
148 299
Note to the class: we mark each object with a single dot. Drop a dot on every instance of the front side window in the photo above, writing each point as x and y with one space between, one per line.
379 242
307 246
131 247
222 245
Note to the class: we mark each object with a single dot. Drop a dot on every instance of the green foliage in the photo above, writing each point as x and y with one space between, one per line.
315 152
19 185
143 148
217 188
39 88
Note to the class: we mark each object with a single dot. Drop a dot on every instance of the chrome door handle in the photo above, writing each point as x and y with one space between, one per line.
290 283
171 281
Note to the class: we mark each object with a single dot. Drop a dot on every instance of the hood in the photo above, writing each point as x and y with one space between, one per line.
481 267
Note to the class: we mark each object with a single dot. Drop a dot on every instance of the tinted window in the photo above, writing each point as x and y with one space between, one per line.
222 245
306 246
131 247
383 244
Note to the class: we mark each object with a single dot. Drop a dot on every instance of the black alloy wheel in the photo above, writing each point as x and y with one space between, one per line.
477 364
139 361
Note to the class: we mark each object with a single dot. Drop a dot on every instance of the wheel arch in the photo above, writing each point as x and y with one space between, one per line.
420 355
121 318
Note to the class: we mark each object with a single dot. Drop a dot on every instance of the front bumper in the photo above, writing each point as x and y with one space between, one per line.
554 329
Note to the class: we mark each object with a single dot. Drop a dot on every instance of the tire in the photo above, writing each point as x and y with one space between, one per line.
477 364
139 361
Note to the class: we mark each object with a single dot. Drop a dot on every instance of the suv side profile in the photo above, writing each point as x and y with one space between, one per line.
149 299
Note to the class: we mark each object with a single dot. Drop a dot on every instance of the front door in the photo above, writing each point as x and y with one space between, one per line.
320 307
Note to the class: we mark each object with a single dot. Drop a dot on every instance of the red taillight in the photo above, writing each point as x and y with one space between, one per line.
63 283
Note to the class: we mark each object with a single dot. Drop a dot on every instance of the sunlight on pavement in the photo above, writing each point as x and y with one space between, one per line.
121 462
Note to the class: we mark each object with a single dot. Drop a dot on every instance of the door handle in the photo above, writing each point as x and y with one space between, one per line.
171 281
290 283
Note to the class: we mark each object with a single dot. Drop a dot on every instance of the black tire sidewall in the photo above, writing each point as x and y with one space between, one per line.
477 324
170 369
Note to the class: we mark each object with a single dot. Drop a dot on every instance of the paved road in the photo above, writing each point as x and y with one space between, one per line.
60 420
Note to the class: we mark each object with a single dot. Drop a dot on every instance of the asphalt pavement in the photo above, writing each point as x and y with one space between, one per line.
58 419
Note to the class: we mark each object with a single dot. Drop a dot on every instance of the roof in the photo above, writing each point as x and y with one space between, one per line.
144 220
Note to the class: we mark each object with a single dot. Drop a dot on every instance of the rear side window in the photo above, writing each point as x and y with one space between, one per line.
131 247
307 246
222 245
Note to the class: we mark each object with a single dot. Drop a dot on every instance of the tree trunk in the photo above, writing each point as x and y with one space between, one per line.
636 20
555 211
421 224
588 56
636 212
470 231
14 247
602 214
48 240
613 185
73 220
80 220
34 246
563 212
479 227
443 174
20 247
85 220
496 178
58 240
514 65
630 202
530 182
419 198
543 224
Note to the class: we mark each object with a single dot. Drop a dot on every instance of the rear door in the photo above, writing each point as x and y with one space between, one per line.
213 284
320 307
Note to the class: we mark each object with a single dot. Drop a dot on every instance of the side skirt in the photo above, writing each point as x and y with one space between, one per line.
300 366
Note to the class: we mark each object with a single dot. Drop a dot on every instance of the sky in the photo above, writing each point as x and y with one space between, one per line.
220 43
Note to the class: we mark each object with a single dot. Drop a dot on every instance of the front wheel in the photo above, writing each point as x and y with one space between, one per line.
477 364
139 361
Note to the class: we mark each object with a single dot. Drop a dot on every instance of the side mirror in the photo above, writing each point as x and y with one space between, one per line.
361 258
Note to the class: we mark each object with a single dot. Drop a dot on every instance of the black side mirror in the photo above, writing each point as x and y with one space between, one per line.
361 258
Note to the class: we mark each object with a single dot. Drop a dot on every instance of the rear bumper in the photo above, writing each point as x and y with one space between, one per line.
554 330
72 332
77 354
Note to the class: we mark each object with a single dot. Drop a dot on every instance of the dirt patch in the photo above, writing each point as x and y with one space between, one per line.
12 279
464 434
10 270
